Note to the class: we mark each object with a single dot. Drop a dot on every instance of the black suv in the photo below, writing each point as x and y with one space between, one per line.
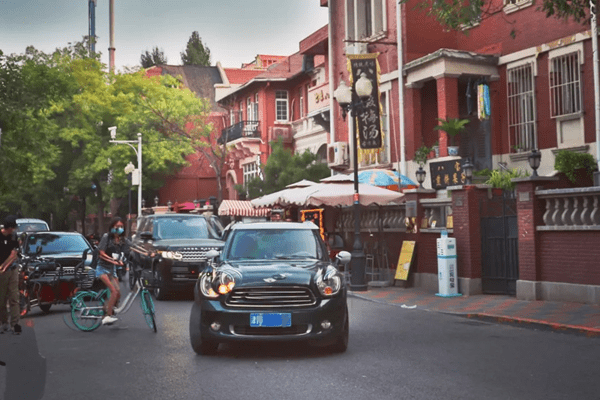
181 241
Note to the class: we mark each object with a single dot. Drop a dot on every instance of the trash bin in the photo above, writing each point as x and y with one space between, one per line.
447 275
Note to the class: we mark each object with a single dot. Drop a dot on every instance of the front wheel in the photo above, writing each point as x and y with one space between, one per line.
199 344
45 307
341 342
87 310
148 309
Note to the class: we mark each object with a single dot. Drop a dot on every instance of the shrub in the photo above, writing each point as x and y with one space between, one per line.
571 163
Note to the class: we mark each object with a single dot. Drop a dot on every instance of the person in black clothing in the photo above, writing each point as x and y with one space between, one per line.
9 276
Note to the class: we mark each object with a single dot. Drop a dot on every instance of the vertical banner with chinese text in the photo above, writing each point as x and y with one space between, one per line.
369 122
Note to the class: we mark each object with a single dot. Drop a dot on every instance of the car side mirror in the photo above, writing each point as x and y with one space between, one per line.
343 257
212 254
146 236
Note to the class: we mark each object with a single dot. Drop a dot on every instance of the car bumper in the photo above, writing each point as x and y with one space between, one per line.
306 323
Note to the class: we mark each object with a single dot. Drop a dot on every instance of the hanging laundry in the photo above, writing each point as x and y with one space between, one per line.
486 101
483 102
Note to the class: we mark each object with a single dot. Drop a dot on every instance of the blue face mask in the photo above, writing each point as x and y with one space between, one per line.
118 231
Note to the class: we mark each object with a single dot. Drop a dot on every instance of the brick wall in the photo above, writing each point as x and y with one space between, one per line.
570 257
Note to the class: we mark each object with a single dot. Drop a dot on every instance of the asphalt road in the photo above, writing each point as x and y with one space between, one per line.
394 353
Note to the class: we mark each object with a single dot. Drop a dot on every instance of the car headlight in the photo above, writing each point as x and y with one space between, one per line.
213 284
206 285
329 281
171 255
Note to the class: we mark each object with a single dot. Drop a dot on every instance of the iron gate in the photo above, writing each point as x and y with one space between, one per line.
499 244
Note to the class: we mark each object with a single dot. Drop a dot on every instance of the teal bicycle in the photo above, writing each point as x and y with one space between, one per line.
87 307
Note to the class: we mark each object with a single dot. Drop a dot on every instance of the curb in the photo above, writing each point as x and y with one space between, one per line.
576 329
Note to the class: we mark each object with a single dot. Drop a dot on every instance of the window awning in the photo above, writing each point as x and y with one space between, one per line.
242 208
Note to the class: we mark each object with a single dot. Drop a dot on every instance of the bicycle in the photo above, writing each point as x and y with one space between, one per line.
87 307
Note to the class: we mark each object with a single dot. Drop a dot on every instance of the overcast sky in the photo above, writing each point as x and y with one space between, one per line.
235 31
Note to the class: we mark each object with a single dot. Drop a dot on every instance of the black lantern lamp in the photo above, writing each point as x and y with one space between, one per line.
468 170
351 99
156 201
534 158
421 173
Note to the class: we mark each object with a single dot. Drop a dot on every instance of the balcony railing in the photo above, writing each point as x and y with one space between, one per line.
242 129
570 209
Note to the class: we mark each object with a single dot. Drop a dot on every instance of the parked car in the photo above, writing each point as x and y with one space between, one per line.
31 225
273 281
181 241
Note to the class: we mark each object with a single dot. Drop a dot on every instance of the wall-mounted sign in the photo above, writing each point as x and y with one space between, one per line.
447 173
369 123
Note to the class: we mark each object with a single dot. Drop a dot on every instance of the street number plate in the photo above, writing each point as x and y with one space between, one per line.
270 320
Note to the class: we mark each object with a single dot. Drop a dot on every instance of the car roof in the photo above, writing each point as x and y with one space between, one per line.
307 225
176 215
38 233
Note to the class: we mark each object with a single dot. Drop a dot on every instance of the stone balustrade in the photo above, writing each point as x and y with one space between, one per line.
571 209
372 219
437 211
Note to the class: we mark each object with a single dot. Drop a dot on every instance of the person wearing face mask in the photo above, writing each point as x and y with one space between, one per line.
111 246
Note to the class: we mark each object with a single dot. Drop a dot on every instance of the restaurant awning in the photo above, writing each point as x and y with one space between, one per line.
242 208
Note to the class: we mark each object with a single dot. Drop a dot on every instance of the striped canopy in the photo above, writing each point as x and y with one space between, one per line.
242 208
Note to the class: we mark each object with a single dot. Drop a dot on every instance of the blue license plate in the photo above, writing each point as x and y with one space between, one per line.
270 320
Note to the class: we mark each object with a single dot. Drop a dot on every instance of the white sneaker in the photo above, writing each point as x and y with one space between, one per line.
109 320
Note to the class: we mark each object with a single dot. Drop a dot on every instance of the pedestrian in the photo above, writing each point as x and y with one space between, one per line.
9 276
112 246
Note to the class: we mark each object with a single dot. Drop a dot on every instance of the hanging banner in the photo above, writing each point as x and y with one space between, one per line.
369 122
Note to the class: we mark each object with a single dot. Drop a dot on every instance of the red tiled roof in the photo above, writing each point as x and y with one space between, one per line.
240 76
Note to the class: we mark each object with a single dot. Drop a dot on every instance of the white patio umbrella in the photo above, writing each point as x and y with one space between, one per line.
281 197
342 194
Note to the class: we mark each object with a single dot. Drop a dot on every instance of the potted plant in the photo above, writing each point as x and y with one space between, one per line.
452 126
502 180
578 167
422 154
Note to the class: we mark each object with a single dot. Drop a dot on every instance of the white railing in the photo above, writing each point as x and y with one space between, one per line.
571 209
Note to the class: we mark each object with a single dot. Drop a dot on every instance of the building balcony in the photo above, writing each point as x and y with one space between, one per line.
242 129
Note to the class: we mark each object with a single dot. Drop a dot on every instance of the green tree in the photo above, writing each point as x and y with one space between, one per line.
457 14
150 59
195 52
283 168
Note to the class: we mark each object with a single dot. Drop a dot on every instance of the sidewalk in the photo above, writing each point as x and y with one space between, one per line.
568 317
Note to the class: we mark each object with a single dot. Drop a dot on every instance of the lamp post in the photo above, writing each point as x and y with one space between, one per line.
136 175
129 168
421 173
351 99
468 168
534 158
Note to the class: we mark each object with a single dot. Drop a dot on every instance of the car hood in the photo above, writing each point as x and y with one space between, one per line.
66 259
277 272
172 244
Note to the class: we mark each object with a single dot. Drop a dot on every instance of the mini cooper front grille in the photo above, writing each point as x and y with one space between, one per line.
271 297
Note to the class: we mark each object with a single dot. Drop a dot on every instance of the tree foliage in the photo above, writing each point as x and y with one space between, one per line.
457 14
284 168
196 53
150 59
55 150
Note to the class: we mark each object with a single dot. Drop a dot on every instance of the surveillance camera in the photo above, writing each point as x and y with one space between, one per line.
113 132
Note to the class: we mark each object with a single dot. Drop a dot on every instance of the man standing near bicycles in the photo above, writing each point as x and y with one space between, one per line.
111 246
9 276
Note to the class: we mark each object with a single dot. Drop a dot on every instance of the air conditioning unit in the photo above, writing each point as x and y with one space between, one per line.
337 154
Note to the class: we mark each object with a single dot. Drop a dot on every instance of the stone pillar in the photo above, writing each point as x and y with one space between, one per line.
447 98
466 202
530 212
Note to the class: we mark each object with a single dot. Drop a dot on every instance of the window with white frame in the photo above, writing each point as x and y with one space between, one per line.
281 105
383 156
255 118
521 106
511 6
301 101
250 172
365 18
565 85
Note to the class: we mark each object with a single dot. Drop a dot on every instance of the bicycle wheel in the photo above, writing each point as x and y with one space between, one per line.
85 317
148 309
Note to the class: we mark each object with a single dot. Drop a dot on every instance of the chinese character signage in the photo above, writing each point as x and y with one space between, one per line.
369 122
447 173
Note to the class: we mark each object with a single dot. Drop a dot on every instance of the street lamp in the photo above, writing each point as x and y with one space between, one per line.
129 168
534 158
351 99
468 168
136 175
421 173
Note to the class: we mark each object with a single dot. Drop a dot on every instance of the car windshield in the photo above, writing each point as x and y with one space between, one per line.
54 244
282 244
31 227
182 228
